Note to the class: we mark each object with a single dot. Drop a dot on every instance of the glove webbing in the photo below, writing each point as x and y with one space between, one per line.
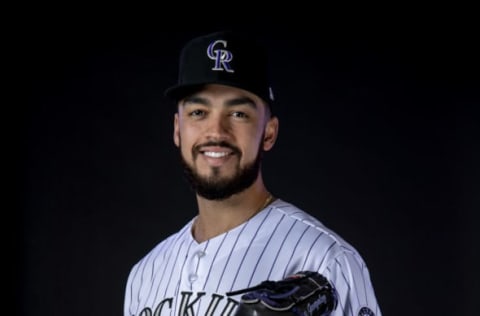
268 285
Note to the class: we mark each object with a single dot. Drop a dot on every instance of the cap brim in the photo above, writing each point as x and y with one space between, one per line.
180 91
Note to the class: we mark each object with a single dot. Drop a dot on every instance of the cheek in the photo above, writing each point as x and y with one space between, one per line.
251 145
185 143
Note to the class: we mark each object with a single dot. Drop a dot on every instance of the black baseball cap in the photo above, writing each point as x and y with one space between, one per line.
226 57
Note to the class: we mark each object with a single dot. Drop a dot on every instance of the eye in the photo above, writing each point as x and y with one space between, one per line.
239 114
196 113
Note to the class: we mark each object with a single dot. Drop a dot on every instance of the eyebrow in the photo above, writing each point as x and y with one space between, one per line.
231 102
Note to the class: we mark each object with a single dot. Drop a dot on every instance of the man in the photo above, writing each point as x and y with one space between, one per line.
242 235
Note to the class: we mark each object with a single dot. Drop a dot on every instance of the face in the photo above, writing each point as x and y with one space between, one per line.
221 133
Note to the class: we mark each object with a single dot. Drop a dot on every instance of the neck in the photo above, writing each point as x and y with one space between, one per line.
217 217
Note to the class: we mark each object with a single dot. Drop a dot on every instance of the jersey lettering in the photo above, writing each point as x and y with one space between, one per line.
158 309
188 308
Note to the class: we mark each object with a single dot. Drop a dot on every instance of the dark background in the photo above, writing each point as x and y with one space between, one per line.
378 139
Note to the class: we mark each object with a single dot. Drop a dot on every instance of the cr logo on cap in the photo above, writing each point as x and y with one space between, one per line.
222 57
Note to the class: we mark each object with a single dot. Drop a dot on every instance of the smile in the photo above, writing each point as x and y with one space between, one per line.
216 154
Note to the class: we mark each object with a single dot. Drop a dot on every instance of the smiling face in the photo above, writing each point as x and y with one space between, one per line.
221 133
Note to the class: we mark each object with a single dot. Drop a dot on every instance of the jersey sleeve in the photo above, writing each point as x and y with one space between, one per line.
351 278
128 294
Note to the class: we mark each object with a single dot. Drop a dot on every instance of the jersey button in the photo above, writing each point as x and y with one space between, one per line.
200 254
192 278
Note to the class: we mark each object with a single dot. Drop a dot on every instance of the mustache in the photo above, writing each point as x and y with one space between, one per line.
197 148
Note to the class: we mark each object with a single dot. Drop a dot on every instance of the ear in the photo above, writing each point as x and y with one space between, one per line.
271 133
176 133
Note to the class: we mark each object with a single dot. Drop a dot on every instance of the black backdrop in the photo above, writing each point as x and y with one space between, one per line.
378 139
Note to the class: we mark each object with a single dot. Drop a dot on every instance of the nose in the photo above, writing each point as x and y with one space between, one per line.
218 127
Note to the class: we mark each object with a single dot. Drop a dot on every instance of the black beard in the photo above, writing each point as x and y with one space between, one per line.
214 188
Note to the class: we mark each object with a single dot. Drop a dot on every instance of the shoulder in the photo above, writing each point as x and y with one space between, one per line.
336 259
295 213
303 220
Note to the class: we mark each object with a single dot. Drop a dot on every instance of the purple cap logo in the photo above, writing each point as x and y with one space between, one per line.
222 57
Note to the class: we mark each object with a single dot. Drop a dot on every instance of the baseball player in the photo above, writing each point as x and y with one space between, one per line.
242 234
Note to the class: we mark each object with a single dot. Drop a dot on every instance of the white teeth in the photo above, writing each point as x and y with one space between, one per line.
215 154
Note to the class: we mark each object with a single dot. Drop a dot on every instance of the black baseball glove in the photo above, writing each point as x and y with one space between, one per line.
304 293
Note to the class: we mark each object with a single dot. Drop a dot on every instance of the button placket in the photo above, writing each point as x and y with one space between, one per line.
195 266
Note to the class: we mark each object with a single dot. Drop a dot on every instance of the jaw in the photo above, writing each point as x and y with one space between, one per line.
215 168
219 176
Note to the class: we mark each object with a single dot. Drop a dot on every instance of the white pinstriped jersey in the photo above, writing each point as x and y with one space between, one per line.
182 277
